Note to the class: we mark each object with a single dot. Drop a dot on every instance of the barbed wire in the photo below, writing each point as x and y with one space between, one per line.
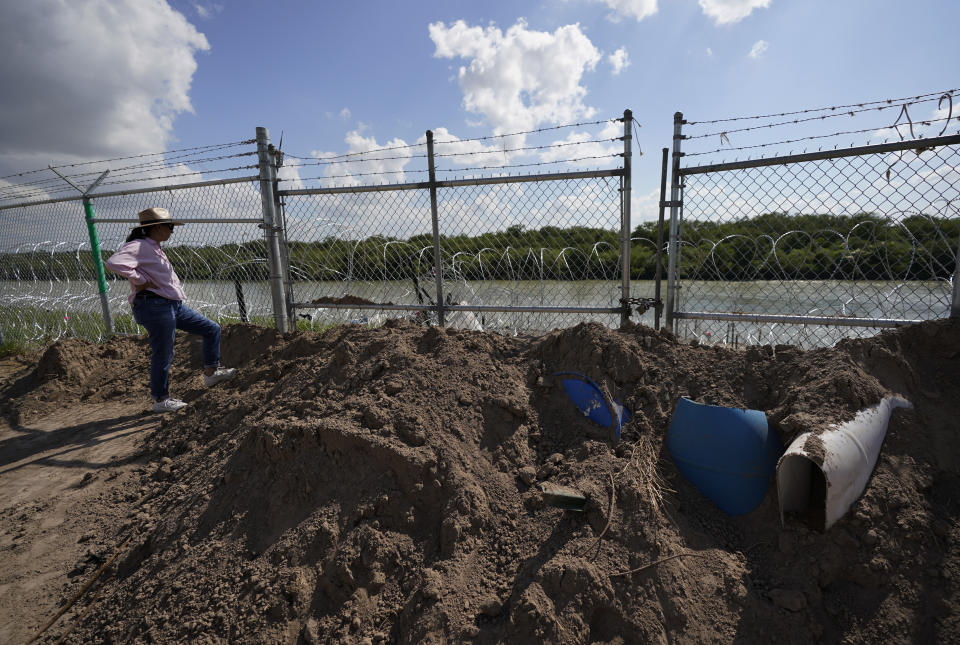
30 185
324 162
525 148
354 154
49 192
192 161
184 174
529 165
538 130
136 169
348 175
50 186
181 159
140 156
818 118
485 138
823 109
813 137
70 189
502 167
38 192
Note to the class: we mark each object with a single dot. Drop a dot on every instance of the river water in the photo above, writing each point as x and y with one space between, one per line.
862 299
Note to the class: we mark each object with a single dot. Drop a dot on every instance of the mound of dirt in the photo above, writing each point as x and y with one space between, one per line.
381 485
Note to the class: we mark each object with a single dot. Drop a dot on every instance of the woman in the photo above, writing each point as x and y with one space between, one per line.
157 300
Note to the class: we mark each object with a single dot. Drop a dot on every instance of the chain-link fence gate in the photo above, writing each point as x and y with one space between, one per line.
806 249
479 253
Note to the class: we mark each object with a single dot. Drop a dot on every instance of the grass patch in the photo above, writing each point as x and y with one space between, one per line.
23 329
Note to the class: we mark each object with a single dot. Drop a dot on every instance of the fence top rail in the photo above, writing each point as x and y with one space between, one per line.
192 220
912 144
453 183
133 191
453 308
789 319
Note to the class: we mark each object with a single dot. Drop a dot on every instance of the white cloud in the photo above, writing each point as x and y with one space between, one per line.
726 12
345 114
207 10
93 79
590 147
520 79
638 9
759 49
377 166
709 53
646 208
450 149
619 60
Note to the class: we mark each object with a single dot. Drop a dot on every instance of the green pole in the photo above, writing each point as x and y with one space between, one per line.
98 265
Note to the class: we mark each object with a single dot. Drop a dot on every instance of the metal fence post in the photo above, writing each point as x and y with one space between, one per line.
437 267
281 208
268 175
94 243
625 197
675 207
658 303
955 305
98 265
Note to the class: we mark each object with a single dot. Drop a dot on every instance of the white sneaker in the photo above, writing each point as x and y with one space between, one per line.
169 405
221 374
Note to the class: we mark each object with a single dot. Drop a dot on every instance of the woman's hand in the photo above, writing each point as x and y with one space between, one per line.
145 285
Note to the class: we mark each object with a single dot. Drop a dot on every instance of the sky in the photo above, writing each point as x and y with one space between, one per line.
100 79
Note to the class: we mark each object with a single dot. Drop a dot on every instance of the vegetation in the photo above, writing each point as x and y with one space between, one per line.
770 246
822 247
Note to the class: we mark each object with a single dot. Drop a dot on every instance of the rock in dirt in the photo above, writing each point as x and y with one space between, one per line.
527 474
788 599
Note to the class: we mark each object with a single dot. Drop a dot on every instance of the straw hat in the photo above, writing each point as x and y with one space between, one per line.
154 216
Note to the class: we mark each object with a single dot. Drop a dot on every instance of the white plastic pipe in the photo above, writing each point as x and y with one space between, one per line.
825 472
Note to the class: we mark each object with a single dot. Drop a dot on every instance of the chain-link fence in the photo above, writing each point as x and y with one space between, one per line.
801 249
507 255
807 249
499 251
49 286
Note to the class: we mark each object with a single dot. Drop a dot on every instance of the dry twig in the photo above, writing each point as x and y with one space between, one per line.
82 615
77 595
660 561
613 493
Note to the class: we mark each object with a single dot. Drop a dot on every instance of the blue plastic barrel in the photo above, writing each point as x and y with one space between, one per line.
729 454
589 397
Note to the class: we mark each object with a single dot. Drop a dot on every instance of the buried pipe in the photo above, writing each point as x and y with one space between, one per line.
823 474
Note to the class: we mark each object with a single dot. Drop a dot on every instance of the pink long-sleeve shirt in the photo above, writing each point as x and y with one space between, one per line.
142 261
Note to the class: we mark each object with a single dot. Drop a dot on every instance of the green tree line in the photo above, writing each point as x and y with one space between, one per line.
766 247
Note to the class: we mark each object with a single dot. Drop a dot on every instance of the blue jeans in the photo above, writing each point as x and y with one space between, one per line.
161 318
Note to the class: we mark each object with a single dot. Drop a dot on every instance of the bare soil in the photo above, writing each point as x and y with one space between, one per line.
381 485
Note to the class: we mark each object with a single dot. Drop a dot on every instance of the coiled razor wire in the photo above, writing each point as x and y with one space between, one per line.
887 249
48 291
